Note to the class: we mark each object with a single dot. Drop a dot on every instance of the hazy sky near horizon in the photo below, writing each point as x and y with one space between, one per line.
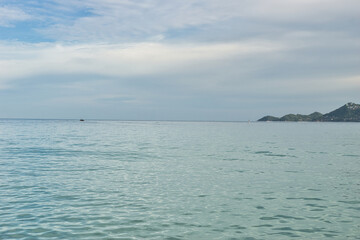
178 59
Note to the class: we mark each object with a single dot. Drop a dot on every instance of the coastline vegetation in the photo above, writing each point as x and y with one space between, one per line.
350 112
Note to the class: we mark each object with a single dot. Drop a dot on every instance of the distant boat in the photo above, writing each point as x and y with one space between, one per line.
82 120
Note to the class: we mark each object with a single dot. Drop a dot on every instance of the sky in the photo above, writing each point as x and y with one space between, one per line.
221 60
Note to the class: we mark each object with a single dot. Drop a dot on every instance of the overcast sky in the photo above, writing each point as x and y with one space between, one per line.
177 59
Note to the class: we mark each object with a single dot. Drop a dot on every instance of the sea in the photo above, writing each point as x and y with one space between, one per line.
66 179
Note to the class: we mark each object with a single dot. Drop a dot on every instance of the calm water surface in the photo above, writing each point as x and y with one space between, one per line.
63 179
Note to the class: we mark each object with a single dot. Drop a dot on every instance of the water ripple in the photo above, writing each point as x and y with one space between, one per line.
177 180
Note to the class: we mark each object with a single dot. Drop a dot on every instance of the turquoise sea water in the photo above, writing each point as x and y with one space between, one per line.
64 179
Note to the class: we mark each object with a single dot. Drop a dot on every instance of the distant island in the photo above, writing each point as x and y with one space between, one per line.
350 112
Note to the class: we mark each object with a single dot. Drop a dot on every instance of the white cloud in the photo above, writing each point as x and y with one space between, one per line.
124 20
10 15
124 60
114 21
256 67
142 20
304 10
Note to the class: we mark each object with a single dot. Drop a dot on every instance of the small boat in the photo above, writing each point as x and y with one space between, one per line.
82 120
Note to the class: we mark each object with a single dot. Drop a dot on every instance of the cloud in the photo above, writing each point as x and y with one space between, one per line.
286 66
137 20
123 60
315 11
111 21
114 21
92 73
11 15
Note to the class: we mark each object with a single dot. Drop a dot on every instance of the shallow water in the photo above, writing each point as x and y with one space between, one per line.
64 179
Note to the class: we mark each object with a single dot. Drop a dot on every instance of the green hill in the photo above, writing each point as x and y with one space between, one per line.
269 118
350 112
